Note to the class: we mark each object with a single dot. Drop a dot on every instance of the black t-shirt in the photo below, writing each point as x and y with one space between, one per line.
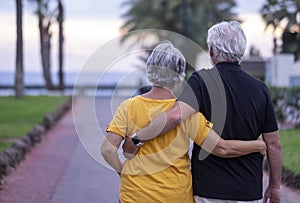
240 108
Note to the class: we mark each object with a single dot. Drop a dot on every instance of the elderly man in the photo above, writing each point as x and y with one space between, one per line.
249 113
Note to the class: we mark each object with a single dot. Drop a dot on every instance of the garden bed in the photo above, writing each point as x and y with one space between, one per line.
24 124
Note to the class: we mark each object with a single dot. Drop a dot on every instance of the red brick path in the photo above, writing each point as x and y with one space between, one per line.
60 170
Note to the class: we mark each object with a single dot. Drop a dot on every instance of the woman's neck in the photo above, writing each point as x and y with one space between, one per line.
159 93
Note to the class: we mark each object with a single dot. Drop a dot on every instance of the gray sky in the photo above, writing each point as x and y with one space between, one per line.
109 8
89 24
246 6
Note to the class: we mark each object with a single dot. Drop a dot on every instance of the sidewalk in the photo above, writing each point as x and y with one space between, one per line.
59 169
287 194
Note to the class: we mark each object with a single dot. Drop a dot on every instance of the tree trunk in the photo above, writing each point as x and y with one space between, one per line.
47 46
19 83
60 20
185 18
45 49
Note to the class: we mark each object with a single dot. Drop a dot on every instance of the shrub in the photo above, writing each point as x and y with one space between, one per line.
286 103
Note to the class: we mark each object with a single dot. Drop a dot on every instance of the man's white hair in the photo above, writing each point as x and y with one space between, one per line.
228 41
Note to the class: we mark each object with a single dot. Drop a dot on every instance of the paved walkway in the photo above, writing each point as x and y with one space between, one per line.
59 169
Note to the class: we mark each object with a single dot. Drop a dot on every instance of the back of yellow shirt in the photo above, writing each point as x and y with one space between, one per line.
160 172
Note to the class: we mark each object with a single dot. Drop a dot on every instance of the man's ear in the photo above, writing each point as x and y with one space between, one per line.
212 56
211 52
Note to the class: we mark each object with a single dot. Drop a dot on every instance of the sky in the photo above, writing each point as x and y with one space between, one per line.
91 24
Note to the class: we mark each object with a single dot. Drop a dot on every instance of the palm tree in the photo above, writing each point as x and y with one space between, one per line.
45 17
19 84
190 18
60 19
284 15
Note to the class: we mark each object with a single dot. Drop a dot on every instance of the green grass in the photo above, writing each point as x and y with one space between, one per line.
18 116
290 141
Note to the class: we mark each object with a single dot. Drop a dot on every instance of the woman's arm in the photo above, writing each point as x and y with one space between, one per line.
214 144
109 151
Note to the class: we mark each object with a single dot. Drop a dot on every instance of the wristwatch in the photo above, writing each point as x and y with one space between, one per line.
136 140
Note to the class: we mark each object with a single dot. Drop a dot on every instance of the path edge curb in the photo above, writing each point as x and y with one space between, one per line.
11 157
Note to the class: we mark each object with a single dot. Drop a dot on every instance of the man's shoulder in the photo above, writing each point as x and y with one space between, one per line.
204 73
211 78
256 82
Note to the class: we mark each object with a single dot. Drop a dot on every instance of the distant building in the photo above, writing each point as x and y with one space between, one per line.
282 71
255 66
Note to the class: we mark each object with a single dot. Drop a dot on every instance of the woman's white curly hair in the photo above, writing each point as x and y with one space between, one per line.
165 65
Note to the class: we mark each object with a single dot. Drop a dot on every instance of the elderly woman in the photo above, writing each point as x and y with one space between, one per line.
160 172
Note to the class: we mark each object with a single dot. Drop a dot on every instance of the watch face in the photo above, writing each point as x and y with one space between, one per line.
135 140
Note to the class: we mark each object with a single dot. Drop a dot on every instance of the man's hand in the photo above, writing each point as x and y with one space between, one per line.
272 194
129 148
263 150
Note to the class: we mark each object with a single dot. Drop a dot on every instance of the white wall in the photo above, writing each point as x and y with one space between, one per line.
280 69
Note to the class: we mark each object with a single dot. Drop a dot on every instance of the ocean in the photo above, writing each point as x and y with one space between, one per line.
118 79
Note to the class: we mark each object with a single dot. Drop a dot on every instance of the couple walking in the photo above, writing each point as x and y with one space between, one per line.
157 127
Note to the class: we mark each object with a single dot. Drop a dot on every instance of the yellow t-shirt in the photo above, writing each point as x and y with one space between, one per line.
160 172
